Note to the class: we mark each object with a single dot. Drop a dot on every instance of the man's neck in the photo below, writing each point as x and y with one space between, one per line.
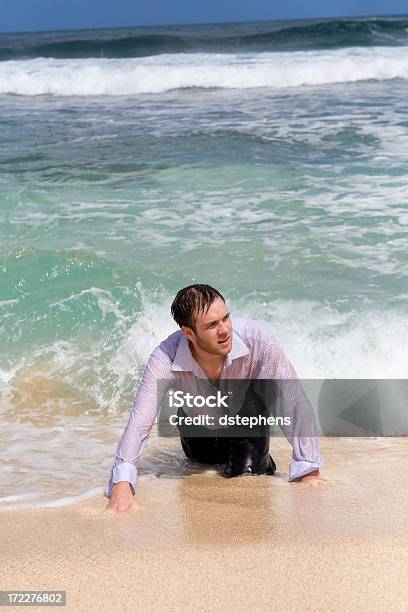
211 364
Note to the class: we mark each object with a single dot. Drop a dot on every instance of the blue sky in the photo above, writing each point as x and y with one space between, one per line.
26 15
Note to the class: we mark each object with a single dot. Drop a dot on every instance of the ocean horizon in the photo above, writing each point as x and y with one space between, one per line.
362 17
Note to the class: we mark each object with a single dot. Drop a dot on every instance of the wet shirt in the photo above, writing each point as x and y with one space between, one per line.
255 355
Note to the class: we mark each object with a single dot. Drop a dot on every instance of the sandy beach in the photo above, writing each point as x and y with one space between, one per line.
206 543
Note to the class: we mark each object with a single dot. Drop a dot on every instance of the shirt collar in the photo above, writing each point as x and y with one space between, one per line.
185 362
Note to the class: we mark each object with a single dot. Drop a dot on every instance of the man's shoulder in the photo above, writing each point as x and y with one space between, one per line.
264 348
252 329
167 349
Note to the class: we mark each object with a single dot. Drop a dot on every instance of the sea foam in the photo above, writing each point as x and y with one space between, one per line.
124 77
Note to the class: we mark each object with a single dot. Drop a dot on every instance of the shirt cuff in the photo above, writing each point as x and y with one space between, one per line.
298 469
119 473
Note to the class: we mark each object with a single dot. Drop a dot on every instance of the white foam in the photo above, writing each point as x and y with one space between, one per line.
121 77
321 341
32 500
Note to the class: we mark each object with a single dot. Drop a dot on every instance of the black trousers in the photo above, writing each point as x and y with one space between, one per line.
234 454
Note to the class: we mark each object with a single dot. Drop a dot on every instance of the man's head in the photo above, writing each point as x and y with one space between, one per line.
204 318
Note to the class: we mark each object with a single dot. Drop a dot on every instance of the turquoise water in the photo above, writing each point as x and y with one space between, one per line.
270 163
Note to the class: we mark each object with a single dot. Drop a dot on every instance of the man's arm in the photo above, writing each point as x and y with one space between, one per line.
290 401
122 481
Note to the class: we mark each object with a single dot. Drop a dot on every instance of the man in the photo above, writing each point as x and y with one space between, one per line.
208 346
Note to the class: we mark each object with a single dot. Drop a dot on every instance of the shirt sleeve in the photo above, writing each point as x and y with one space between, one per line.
290 402
141 419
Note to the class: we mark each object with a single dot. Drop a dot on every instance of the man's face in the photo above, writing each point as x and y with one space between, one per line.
213 329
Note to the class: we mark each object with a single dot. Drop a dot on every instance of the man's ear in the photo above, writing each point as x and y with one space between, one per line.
189 334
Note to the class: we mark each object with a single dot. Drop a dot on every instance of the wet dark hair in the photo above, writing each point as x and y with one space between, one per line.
192 299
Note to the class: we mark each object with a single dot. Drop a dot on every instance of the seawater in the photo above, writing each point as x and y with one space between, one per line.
268 160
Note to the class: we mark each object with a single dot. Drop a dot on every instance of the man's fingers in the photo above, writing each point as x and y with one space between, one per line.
111 507
116 508
120 504
315 482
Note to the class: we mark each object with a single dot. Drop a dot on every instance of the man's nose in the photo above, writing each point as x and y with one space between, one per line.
223 329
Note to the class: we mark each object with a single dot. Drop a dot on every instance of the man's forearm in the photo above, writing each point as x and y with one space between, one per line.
142 416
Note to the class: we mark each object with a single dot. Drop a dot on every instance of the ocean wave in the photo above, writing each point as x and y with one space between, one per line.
245 37
127 46
99 374
333 33
54 413
104 77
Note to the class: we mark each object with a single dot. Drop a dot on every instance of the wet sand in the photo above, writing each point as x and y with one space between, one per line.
201 542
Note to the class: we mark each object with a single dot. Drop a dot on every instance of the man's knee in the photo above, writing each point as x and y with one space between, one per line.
248 456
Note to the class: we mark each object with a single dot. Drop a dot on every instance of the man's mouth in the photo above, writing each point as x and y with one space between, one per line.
224 342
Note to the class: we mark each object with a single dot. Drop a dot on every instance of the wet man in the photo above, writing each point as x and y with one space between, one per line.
211 345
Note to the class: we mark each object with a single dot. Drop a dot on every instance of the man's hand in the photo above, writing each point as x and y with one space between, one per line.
121 498
314 479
